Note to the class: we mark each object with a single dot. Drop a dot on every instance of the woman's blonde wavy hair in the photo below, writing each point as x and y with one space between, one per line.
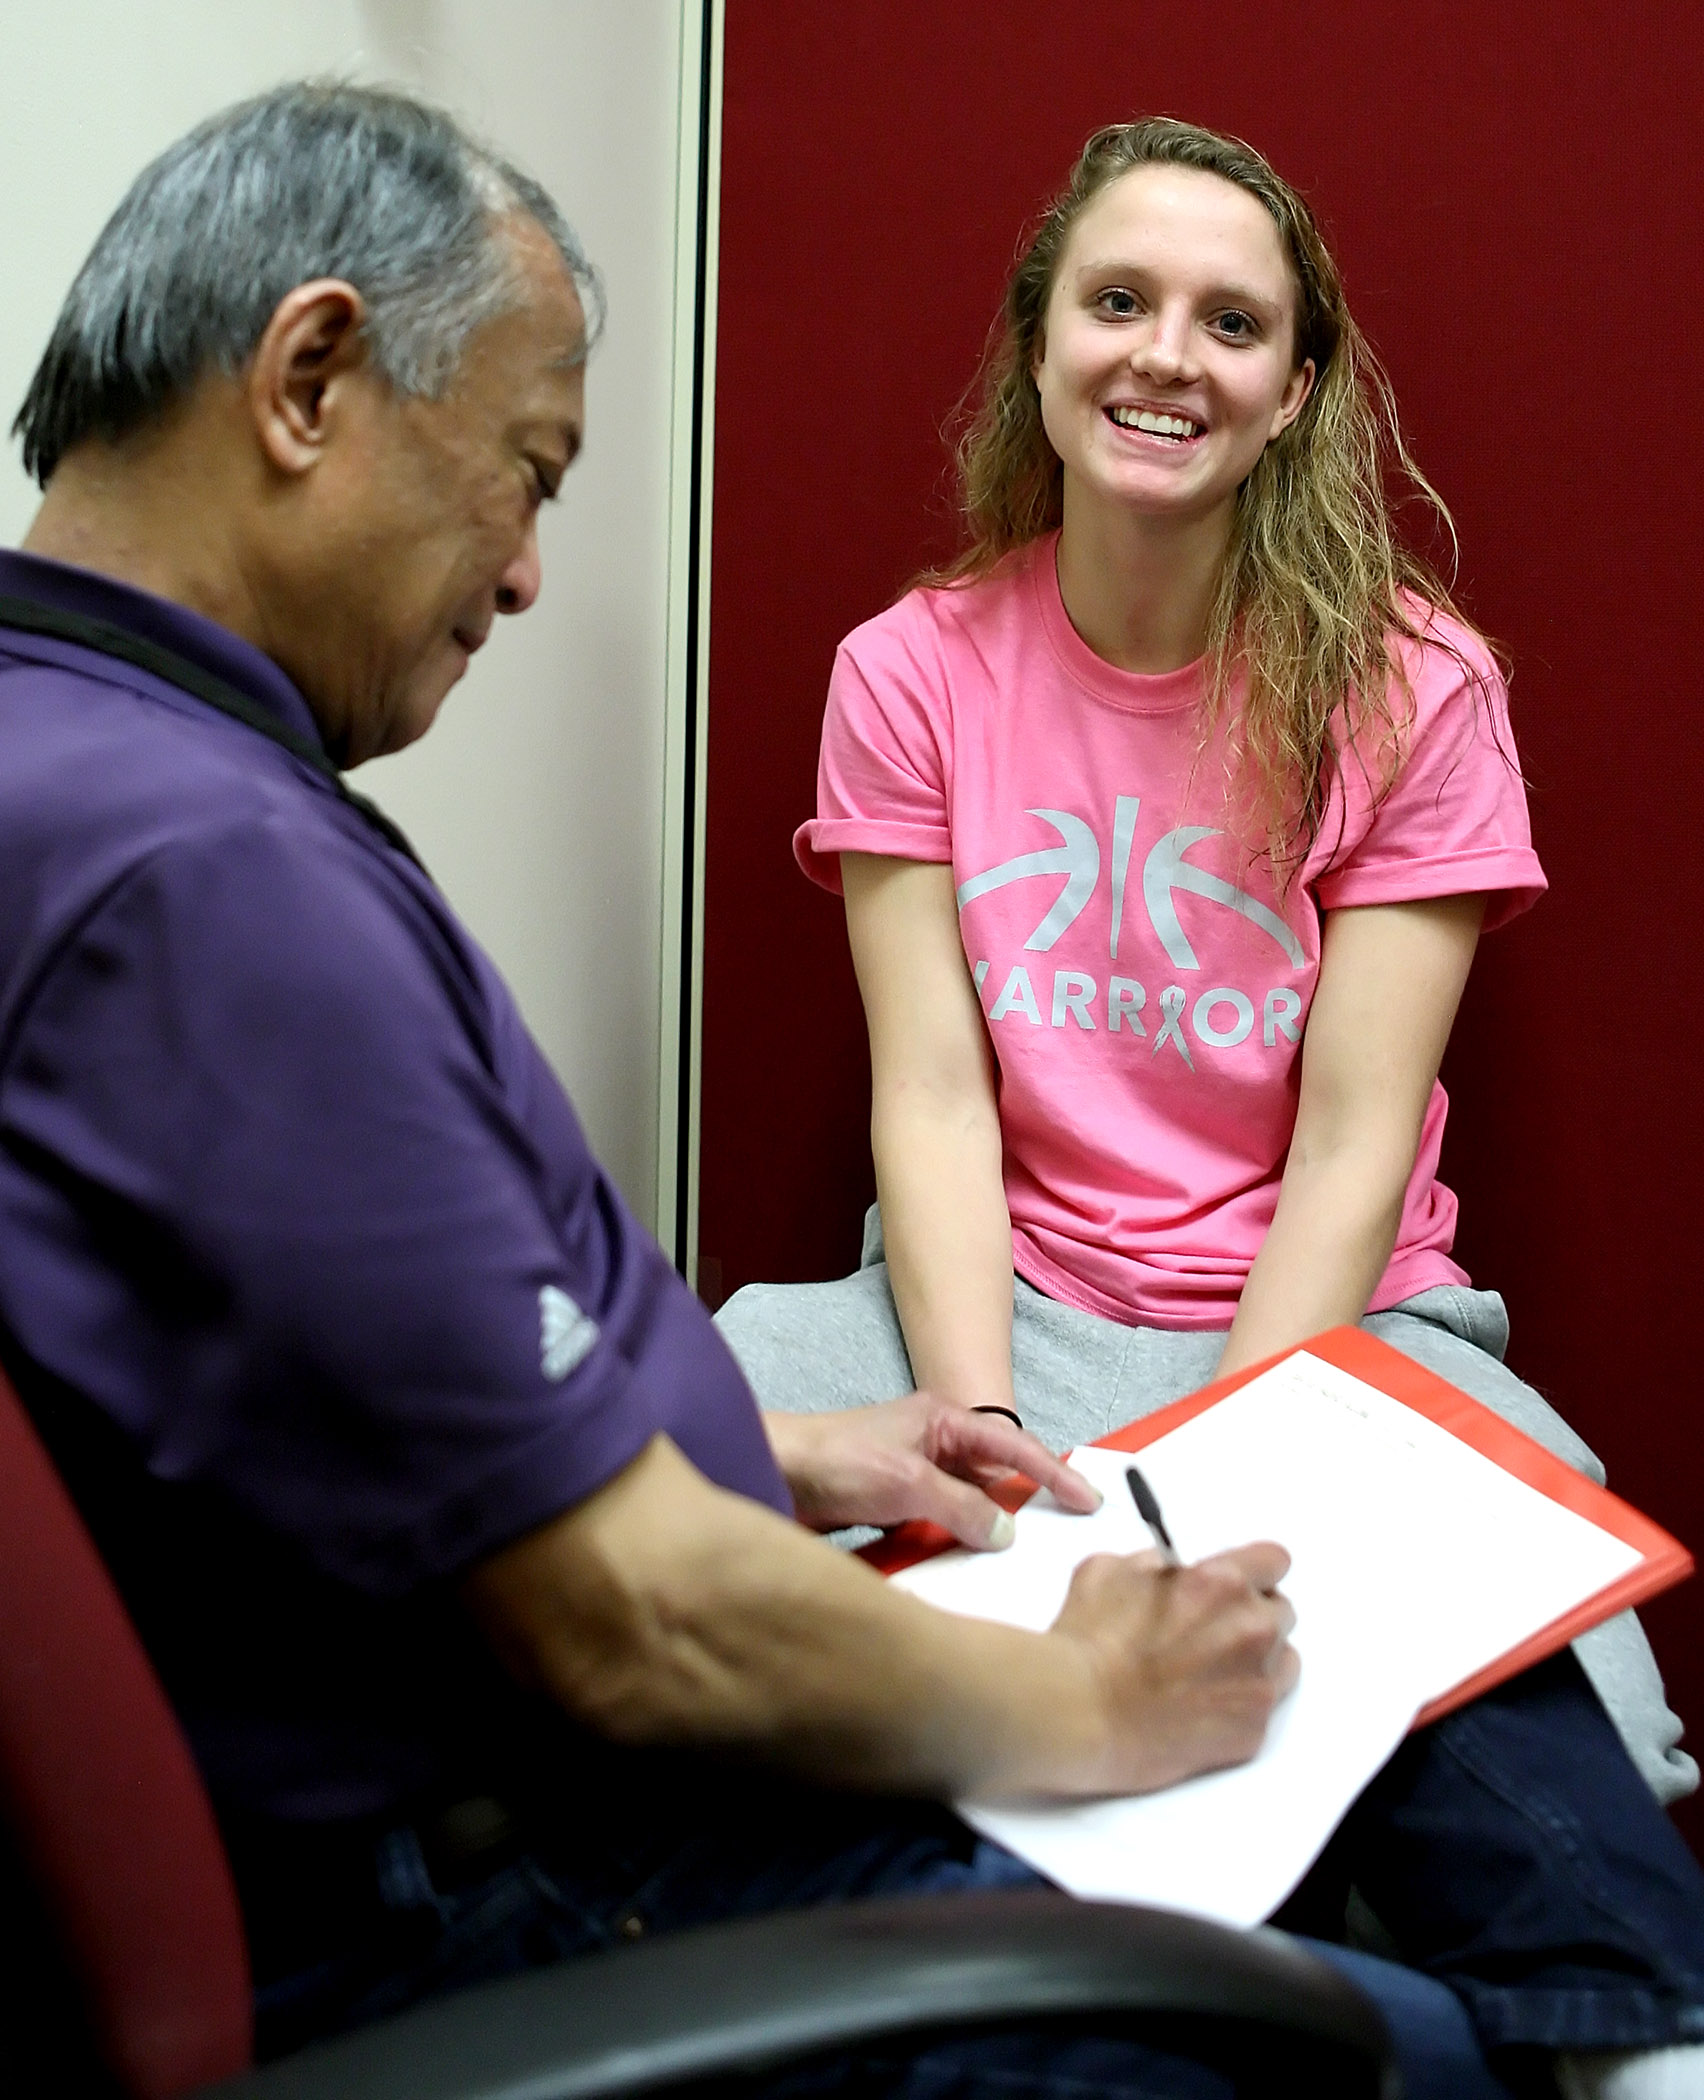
1315 585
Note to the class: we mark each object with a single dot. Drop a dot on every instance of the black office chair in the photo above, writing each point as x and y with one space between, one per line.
106 1811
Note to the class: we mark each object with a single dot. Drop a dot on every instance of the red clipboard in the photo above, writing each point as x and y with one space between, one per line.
1663 1561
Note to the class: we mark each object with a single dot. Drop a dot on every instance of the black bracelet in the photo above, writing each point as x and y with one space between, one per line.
1015 1420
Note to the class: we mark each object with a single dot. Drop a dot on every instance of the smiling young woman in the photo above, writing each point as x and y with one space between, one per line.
1168 816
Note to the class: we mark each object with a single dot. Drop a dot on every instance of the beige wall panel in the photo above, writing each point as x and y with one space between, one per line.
537 800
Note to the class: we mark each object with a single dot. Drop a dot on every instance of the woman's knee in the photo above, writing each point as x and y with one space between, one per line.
1478 1317
1437 1335
810 1347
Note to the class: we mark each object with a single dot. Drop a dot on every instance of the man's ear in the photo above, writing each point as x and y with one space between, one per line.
311 345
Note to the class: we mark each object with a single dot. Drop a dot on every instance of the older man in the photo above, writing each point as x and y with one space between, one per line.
355 1360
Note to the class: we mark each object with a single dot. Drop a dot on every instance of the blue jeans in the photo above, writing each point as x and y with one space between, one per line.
1538 1897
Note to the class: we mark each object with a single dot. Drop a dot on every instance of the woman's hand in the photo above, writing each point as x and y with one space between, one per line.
916 1457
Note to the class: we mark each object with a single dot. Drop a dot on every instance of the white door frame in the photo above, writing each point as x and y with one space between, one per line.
697 224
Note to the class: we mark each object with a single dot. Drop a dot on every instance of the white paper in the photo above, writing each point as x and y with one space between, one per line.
1416 1562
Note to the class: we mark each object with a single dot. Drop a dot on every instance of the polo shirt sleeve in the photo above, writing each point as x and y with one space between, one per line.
1454 820
881 775
313 1251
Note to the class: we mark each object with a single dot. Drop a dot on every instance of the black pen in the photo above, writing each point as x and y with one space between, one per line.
1148 1509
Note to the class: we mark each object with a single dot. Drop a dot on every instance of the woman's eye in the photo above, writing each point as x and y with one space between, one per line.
1238 326
1119 303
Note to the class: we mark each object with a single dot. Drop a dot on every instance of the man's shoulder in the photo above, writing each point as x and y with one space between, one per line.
85 747
108 789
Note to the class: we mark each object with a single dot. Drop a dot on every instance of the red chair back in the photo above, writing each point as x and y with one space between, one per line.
105 1804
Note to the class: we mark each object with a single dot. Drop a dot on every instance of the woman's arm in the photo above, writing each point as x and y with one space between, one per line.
934 1129
1390 979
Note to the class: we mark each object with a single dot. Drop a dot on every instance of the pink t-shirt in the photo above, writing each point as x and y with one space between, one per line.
1145 985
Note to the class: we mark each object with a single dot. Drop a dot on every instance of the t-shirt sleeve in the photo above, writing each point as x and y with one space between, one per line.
881 774
312 1255
1454 821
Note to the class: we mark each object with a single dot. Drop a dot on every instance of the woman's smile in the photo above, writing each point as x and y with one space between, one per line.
1158 422
1167 426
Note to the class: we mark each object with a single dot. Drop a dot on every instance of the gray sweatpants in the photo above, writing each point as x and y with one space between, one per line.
808 1347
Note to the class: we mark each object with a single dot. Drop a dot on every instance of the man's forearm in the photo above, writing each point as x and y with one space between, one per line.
702 1618
665 1610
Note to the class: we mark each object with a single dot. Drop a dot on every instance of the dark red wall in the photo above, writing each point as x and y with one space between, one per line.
1514 203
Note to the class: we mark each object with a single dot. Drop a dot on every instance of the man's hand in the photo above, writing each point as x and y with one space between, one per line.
916 1457
1188 1662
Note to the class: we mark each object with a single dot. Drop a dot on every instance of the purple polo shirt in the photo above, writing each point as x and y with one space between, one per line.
305 1265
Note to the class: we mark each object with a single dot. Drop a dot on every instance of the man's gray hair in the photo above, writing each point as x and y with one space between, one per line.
310 180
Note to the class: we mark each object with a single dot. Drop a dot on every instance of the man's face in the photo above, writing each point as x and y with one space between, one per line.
425 519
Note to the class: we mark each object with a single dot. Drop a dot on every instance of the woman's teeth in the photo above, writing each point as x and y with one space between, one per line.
1156 425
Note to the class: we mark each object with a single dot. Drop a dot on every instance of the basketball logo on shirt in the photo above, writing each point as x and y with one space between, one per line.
1077 858
1221 1017
565 1333
1164 872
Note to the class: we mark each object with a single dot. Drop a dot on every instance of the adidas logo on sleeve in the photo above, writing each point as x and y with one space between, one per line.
565 1334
